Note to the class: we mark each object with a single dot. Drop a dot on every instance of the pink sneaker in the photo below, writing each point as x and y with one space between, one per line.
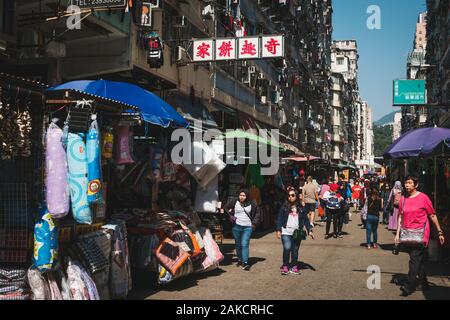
284 270
295 270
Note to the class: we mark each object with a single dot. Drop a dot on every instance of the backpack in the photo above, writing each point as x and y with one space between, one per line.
349 191
333 202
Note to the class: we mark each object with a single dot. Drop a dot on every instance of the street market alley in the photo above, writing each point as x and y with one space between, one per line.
331 269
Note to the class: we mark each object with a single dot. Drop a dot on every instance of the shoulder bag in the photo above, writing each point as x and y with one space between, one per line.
412 236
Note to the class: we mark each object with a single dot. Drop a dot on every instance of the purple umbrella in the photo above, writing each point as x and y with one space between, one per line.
416 143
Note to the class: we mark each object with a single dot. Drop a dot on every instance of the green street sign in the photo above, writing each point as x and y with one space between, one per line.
409 92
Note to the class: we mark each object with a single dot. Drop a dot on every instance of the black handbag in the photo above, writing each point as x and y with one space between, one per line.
299 235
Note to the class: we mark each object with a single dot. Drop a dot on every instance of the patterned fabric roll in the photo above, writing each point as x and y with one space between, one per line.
93 156
57 187
78 180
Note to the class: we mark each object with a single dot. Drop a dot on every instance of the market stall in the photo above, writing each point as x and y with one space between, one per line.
108 185
426 152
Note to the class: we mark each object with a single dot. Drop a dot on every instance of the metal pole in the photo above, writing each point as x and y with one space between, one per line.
435 184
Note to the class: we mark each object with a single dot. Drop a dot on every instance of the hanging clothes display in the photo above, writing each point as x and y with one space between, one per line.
78 180
123 136
57 187
94 165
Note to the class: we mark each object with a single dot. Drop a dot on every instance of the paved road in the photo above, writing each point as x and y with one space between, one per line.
331 269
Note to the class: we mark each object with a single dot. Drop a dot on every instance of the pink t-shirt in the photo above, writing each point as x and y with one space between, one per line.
323 189
416 212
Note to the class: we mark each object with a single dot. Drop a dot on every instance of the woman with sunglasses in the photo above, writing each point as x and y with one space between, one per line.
292 218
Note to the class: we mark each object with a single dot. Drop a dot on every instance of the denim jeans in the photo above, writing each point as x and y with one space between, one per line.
242 236
372 228
290 251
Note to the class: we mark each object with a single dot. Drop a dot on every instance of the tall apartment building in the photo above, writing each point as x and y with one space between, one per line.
345 100
397 126
291 94
367 159
416 116
438 56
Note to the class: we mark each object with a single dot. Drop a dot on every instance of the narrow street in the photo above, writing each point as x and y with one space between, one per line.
331 269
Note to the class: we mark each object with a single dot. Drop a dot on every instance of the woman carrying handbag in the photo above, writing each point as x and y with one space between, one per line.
292 220
413 231
245 216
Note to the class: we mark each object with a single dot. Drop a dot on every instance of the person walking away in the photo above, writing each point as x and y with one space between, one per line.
365 192
291 221
323 189
384 194
394 201
345 206
374 206
245 215
356 193
310 198
333 202
415 211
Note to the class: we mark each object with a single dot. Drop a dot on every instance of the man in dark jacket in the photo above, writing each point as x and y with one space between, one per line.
292 219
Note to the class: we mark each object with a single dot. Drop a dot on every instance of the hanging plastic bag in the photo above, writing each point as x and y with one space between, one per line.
122 148
57 187
78 181
45 242
94 166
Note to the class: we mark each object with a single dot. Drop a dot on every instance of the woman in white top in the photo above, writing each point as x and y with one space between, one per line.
245 215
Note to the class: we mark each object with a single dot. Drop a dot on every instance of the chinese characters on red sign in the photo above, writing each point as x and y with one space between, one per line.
238 48
203 50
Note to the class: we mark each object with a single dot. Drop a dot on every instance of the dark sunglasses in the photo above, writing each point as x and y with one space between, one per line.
292 195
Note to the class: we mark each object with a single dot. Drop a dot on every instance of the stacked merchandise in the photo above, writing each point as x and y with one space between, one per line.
95 267
13 284
173 245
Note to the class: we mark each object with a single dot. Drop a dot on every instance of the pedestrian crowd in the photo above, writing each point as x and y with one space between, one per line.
404 210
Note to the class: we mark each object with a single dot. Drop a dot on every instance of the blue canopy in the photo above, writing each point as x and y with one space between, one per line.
152 108
417 143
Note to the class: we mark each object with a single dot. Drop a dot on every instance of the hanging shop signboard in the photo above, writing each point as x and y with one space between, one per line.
409 92
238 48
99 4
272 47
248 48
203 50
225 49
146 16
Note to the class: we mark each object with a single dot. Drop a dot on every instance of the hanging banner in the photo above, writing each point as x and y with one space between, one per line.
248 48
99 4
272 47
225 49
146 17
203 50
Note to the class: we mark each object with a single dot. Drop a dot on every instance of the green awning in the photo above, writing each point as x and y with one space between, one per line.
239 134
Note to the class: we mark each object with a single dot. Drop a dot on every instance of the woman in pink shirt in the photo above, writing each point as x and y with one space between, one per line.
415 212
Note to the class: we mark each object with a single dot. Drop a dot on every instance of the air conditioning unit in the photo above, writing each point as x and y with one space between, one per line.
261 75
251 69
180 21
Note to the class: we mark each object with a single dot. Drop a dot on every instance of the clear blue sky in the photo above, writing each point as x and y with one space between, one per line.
382 53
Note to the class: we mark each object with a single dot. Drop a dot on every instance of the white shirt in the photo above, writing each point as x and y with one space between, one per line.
242 219
292 223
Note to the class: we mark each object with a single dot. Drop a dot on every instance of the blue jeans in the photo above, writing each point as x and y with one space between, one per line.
372 228
242 236
290 251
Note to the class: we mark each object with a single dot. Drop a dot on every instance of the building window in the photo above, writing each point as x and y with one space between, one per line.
340 61
7 15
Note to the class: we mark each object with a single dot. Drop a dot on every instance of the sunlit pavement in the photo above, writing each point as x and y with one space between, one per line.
331 269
